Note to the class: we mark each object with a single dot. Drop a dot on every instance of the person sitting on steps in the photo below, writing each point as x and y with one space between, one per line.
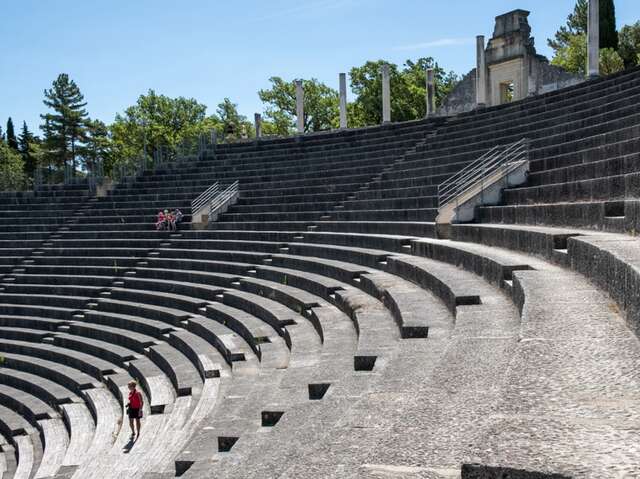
134 409
177 218
171 220
161 222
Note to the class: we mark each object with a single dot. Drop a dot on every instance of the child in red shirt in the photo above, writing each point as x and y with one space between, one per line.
161 222
134 408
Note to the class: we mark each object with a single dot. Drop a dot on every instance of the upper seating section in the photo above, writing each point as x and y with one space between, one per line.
380 181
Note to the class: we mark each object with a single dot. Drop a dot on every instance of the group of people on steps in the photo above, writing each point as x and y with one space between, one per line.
168 220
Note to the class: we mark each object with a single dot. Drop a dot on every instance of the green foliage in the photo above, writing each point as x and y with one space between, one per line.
230 123
11 169
29 147
570 41
64 128
12 141
408 90
156 120
608 32
629 44
577 24
98 145
278 123
321 106
610 61
573 56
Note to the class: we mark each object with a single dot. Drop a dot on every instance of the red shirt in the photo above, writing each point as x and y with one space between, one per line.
135 399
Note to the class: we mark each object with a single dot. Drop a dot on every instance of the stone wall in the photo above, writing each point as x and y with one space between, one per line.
462 98
554 78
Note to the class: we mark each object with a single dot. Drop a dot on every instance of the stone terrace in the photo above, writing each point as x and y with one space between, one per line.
319 328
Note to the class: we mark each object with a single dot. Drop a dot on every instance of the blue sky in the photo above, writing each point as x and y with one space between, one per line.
213 49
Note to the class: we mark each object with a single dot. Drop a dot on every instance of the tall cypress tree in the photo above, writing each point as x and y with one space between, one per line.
66 125
11 135
26 142
608 32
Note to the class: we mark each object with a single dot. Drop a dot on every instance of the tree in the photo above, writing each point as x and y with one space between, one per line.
66 125
629 44
573 56
160 122
408 90
571 39
230 123
28 147
610 61
11 169
278 122
608 32
321 105
577 24
98 145
12 141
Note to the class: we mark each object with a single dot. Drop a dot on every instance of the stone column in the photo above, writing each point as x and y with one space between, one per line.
258 124
343 100
386 94
481 72
593 41
431 92
300 106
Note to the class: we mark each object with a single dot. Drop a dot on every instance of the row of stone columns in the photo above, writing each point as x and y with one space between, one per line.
386 100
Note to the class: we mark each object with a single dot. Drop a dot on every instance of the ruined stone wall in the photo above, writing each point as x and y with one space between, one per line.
462 98
546 76
554 78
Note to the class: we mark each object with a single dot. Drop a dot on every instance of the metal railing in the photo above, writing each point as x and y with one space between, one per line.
205 198
220 203
496 158
189 149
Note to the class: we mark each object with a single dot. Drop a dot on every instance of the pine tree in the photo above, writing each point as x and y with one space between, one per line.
64 128
1 135
98 146
577 24
608 32
11 135
26 143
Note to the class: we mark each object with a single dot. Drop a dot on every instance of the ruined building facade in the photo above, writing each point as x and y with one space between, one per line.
510 69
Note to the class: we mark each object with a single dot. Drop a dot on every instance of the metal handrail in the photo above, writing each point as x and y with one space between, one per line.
229 195
205 197
478 170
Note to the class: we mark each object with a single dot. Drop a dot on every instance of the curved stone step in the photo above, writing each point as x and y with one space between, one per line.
71 378
43 388
81 432
56 443
28 406
29 452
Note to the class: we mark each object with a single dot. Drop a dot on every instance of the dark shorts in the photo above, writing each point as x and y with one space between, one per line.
134 413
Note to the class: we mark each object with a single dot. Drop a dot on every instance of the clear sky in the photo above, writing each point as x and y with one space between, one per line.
115 50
